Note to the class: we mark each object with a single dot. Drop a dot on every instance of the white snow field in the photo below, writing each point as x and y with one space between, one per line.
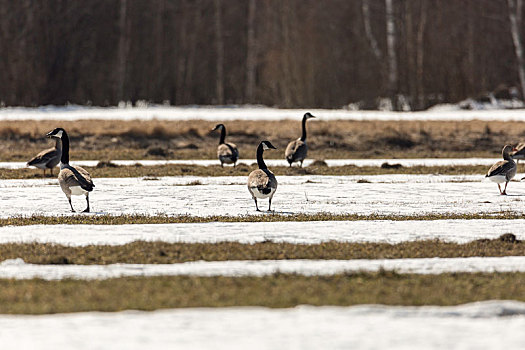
482 325
247 113
18 269
282 162
380 194
302 232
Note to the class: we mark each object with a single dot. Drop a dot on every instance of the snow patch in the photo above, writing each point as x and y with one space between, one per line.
234 268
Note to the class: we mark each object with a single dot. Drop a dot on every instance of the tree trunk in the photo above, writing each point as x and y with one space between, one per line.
251 54
515 16
420 87
219 63
365 7
123 48
391 51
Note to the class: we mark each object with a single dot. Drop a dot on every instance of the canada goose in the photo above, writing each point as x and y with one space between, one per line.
72 179
296 150
47 159
503 171
262 182
519 153
227 152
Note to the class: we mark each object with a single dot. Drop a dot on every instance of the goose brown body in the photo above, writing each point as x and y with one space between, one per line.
297 150
226 152
503 171
73 180
262 182
47 159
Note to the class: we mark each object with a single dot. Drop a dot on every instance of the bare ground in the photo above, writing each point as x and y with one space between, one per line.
104 140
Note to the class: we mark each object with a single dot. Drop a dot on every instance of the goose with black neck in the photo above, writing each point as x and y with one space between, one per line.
297 150
227 152
262 182
73 180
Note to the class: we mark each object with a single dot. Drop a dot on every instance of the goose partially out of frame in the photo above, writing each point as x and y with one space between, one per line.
504 170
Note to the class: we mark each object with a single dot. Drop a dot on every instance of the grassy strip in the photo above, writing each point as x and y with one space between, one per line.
270 217
244 170
278 291
169 253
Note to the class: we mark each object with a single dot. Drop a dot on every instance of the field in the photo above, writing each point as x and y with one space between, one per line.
182 242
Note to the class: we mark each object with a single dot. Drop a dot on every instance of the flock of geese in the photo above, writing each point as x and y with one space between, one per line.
75 180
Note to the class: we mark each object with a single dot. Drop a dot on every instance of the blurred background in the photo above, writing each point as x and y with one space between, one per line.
366 54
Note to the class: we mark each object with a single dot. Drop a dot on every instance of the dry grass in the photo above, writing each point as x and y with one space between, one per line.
87 219
244 170
103 139
277 291
169 253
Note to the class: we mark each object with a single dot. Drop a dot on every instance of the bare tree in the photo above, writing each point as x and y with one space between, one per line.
365 8
251 53
516 25
391 49
219 63
123 48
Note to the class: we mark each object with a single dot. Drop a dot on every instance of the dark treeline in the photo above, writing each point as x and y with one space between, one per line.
286 53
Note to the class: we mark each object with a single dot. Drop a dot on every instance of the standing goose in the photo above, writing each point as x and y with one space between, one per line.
519 153
227 152
296 150
72 179
503 171
262 182
47 159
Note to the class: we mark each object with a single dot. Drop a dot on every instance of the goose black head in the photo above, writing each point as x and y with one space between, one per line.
267 145
56 133
217 127
308 115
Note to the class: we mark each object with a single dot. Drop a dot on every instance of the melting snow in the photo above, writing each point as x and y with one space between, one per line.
384 231
483 325
380 194
18 269
245 113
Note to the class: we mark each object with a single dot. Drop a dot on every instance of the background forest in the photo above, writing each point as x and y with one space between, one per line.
293 53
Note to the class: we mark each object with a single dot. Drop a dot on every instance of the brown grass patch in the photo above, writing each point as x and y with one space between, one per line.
114 139
169 253
277 291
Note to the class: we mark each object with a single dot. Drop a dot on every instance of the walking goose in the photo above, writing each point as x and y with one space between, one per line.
47 159
296 150
227 152
72 179
262 182
503 171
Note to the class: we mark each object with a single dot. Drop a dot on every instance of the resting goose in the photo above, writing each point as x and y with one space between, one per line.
262 182
72 179
227 152
48 159
296 150
503 171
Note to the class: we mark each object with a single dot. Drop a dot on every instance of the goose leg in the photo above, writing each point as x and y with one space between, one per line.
499 188
256 206
71 205
270 205
505 189
44 173
302 163
87 200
